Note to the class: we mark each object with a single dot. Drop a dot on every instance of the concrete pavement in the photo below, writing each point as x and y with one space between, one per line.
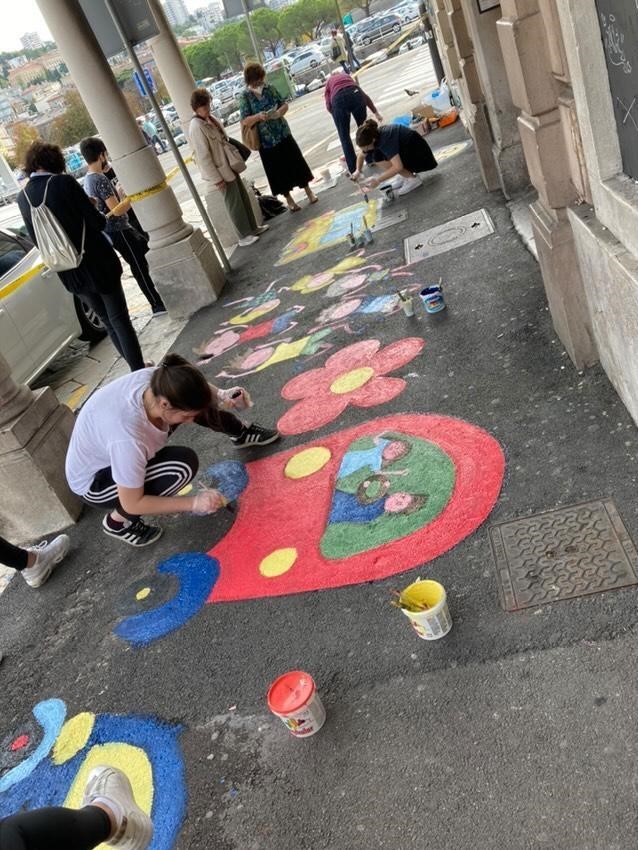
515 731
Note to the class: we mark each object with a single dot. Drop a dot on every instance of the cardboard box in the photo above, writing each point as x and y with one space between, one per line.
425 112
422 128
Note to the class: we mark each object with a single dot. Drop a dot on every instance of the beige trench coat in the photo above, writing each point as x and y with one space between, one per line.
216 158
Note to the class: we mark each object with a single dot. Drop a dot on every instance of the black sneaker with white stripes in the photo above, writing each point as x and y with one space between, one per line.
136 533
254 435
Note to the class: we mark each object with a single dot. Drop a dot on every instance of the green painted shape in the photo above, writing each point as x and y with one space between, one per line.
429 472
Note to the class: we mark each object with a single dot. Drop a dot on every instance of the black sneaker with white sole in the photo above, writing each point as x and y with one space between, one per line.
135 533
254 435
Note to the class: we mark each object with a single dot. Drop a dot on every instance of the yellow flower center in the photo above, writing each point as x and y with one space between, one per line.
352 380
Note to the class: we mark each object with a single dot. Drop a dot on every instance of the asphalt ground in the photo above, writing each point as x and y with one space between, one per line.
516 730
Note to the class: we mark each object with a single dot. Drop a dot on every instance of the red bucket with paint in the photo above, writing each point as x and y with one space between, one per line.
293 698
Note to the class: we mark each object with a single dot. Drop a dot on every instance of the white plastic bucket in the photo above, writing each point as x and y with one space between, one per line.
293 698
435 622
407 305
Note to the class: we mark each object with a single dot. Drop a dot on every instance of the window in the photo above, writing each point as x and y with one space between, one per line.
11 252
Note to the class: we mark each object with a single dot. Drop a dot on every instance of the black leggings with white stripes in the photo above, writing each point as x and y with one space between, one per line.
172 468
55 829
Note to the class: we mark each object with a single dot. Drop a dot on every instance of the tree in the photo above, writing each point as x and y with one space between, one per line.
75 124
266 27
203 59
23 135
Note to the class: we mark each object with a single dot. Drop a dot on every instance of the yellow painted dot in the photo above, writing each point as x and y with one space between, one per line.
352 380
73 736
278 562
185 490
307 462
143 593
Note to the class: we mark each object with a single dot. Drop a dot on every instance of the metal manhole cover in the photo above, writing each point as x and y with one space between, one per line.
445 237
560 554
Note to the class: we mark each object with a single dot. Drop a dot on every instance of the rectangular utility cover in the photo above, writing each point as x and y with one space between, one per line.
560 554
136 16
446 237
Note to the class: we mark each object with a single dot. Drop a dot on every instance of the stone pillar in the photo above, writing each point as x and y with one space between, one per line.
474 114
180 83
183 263
34 435
506 146
539 84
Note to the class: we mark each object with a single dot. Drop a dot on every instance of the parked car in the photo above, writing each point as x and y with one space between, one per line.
38 317
222 90
408 12
305 61
374 28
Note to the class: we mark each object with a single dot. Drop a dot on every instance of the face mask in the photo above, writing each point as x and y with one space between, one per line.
257 89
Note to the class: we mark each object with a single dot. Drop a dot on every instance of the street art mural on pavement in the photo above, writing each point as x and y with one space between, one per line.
356 375
47 759
383 497
327 230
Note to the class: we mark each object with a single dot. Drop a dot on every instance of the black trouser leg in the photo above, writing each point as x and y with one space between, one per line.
111 307
55 829
133 248
348 102
12 556
172 468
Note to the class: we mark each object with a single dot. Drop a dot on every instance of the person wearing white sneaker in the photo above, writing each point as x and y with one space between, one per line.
118 455
109 814
400 153
35 564
220 163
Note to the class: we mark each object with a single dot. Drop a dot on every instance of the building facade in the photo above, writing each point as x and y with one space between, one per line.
176 12
547 89
31 41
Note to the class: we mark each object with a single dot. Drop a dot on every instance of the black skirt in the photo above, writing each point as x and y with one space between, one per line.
416 155
285 167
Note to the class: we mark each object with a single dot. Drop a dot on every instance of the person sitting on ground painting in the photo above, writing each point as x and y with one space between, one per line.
109 814
118 457
401 153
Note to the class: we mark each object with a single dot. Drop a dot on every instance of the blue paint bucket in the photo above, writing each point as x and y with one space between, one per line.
432 297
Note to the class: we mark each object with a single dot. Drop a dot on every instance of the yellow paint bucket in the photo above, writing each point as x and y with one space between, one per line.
434 621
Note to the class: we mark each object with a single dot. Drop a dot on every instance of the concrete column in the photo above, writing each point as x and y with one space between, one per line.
537 74
34 434
182 261
180 83
507 149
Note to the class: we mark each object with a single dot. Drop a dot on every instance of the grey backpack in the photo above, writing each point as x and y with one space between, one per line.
56 248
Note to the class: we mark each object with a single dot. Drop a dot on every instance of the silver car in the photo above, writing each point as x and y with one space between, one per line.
38 317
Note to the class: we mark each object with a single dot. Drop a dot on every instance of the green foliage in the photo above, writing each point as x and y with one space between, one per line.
230 46
23 135
74 125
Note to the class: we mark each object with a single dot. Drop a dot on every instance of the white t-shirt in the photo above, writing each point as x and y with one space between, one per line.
114 430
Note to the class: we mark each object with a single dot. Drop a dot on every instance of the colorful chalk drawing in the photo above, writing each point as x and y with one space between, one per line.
46 762
451 150
383 497
327 230
355 376
264 356
253 306
156 606
225 339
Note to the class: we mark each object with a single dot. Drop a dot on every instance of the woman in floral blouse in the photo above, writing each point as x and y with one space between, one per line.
284 163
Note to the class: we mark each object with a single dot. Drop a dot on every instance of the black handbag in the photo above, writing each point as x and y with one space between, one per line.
244 151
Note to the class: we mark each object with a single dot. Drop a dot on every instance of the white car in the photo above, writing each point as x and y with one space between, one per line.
307 60
408 12
38 317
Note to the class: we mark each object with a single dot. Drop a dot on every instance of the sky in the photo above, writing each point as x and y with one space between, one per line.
24 16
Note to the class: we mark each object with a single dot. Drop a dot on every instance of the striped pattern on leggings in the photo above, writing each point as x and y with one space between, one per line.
172 468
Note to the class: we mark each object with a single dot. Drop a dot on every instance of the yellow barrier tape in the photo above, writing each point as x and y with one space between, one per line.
11 287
